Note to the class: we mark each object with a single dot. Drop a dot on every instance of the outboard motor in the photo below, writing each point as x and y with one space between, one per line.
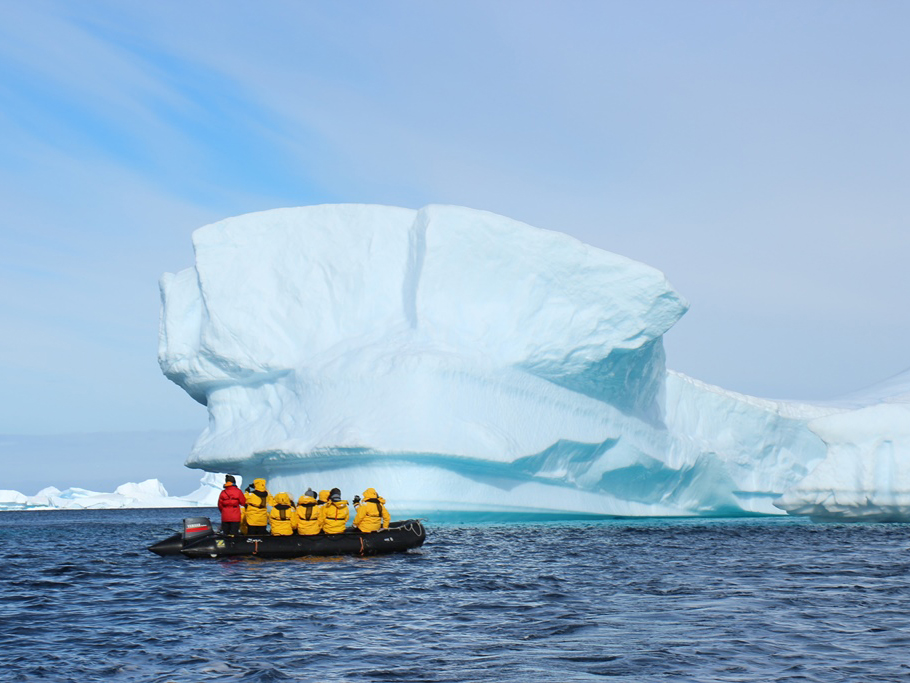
195 528
196 531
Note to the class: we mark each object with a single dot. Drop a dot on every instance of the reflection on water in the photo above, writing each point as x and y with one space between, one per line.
255 563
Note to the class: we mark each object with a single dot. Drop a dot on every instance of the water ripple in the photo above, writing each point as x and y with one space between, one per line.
629 601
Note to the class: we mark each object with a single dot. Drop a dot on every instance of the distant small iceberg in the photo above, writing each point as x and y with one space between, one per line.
146 494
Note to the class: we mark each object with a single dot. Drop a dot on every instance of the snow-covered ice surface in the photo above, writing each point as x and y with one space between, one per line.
147 494
459 360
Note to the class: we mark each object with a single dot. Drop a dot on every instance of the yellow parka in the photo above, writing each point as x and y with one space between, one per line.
257 500
308 518
334 516
283 516
372 513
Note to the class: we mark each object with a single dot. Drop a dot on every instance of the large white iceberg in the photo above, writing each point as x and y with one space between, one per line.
459 360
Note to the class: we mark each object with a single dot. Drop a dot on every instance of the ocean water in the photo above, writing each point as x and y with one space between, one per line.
658 600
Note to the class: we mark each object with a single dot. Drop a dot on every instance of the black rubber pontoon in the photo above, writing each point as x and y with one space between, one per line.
199 539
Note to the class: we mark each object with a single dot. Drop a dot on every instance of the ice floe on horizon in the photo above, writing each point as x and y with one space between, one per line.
146 494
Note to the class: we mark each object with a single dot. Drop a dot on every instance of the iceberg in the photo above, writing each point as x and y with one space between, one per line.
146 494
460 361
11 500
866 471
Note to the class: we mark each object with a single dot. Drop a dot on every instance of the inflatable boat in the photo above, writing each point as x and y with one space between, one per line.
199 539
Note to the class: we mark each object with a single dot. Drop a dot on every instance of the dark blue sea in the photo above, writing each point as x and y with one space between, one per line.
82 600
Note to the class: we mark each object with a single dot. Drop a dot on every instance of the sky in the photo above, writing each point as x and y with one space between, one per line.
756 153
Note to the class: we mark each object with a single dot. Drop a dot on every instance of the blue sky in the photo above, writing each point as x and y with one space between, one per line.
757 153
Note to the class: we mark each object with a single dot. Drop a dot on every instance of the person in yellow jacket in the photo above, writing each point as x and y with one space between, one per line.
283 516
372 514
257 511
334 513
308 518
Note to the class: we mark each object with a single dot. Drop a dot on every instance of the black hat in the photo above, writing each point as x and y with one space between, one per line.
230 478
335 495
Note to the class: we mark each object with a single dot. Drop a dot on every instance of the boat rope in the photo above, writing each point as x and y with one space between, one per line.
256 545
361 546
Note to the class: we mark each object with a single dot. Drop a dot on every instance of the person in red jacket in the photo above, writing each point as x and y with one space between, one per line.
229 503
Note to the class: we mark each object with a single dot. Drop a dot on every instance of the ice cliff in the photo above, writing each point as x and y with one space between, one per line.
866 470
459 360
